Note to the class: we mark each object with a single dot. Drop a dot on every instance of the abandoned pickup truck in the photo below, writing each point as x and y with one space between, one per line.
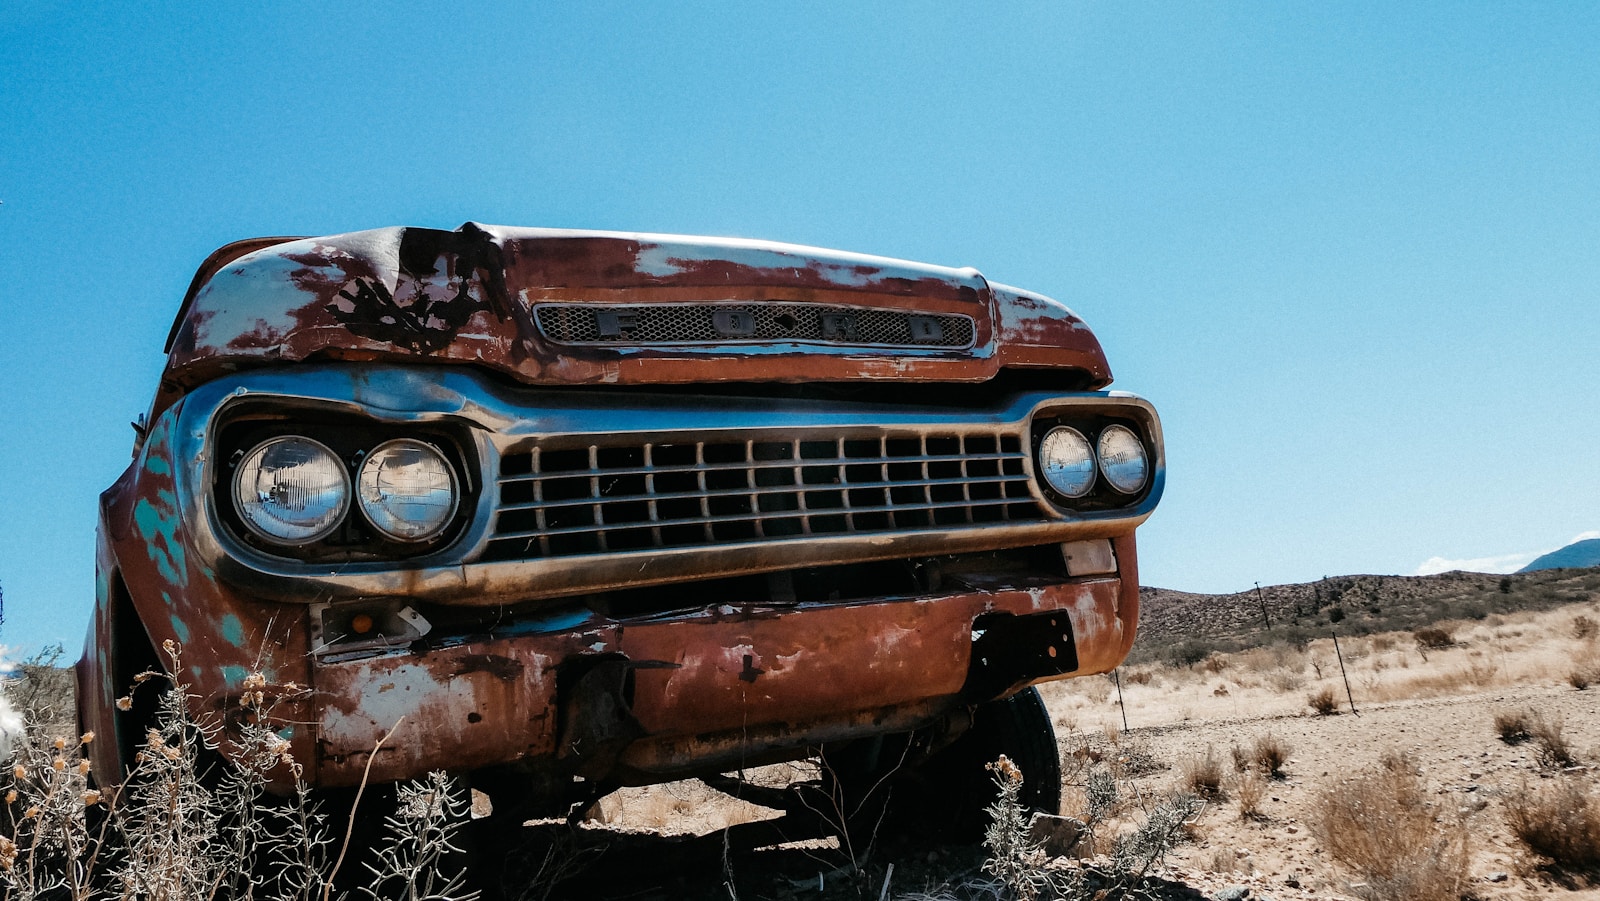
572 510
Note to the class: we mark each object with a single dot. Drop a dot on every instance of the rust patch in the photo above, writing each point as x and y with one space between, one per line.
506 669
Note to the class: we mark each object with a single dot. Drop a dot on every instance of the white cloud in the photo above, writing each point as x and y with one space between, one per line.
1505 563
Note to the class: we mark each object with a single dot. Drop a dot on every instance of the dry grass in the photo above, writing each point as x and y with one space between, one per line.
1202 774
1513 726
1560 823
1270 753
1250 788
1433 639
1584 628
1386 830
1323 701
1554 751
185 825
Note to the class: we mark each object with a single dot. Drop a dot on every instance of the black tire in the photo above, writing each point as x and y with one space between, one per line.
944 796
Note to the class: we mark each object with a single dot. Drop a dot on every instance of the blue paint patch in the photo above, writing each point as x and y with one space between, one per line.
233 630
180 629
564 621
233 675
159 530
156 464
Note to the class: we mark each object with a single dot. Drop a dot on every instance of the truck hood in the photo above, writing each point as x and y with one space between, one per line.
487 295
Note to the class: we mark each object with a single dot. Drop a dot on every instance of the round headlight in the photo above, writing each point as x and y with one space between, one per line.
1122 459
407 490
291 490
1067 461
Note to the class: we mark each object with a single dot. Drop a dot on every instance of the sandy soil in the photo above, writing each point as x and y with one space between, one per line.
1436 708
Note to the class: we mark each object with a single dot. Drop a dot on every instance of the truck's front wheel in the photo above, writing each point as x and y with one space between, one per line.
878 788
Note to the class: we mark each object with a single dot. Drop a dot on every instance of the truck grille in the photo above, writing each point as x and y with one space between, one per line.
722 323
561 499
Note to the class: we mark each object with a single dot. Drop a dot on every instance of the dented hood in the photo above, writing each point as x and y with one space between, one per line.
477 294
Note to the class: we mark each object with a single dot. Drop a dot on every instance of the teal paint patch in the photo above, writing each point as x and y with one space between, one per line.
233 675
157 465
180 629
159 530
232 630
286 733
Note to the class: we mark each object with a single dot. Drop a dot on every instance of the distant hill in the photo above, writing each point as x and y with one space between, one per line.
1574 556
1181 626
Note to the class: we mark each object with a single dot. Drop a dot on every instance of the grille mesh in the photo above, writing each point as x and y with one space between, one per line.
699 324
564 500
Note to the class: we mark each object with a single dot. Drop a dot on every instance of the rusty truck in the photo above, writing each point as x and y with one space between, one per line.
571 510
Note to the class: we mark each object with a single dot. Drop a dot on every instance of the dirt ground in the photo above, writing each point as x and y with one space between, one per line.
1436 706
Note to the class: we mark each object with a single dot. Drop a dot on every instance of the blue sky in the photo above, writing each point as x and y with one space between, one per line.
1351 251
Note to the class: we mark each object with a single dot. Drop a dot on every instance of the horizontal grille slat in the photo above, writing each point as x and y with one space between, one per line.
722 323
577 495
791 488
796 514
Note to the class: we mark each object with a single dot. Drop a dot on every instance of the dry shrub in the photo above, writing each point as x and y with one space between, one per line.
1553 749
1323 701
1250 788
1269 754
1241 758
1433 639
185 826
1384 642
1580 677
1480 673
1583 627
1560 823
1512 726
1384 828
1202 774
1140 677
1214 663
1285 681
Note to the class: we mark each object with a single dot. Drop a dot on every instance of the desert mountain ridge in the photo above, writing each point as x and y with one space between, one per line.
1575 555
1179 625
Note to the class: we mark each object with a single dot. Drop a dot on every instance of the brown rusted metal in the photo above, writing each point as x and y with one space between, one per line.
400 329
467 297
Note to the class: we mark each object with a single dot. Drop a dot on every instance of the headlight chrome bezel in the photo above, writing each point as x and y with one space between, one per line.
355 538
1102 496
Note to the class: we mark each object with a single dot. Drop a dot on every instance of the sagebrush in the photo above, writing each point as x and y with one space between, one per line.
184 824
1560 823
1385 827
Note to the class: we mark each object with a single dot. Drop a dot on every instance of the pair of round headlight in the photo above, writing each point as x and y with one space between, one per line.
293 490
1070 463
